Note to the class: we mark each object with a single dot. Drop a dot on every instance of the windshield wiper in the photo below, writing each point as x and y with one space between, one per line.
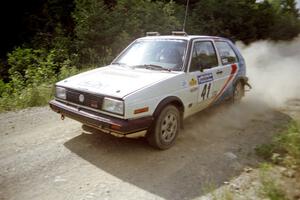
121 64
151 66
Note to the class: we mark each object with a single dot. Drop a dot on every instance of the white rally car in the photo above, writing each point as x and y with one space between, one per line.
155 83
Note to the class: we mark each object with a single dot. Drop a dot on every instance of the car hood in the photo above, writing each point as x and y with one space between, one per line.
115 81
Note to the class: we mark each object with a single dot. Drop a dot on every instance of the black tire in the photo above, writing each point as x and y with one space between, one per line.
165 129
238 92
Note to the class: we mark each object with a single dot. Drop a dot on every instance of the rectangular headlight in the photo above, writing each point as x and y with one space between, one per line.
60 93
113 105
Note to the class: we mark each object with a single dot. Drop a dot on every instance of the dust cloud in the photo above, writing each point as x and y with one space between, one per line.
274 71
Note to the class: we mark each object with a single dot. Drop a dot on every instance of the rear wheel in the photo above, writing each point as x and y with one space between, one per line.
165 129
238 92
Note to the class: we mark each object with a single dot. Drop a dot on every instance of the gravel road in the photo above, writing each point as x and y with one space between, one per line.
43 157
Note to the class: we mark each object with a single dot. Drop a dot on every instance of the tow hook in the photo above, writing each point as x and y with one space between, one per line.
62 117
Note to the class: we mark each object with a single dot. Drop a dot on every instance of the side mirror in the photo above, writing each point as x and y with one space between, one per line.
201 67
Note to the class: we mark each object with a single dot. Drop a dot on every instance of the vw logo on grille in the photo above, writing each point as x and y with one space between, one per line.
81 98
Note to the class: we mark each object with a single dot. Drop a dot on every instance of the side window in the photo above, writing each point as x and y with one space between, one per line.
203 56
226 52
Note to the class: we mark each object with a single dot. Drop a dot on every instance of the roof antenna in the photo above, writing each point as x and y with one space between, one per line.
185 16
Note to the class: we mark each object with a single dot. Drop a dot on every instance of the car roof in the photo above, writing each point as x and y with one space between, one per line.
176 37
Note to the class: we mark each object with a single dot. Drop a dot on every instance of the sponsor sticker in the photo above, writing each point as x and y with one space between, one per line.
193 82
204 78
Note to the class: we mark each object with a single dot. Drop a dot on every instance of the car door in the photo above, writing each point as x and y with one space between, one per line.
226 71
204 71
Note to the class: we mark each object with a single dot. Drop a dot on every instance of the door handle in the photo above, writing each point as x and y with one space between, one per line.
219 72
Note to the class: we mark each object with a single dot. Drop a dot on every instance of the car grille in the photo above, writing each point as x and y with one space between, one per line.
90 100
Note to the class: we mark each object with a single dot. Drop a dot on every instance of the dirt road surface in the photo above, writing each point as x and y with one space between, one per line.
43 157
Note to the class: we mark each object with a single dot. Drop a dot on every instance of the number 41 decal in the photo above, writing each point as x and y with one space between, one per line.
205 91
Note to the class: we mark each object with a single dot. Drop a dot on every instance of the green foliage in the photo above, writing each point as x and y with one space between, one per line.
102 32
32 74
285 144
3 87
67 36
224 18
285 24
93 29
265 150
27 97
246 20
269 188
34 66
289 141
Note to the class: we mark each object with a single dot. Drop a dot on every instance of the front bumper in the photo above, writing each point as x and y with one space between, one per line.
108 124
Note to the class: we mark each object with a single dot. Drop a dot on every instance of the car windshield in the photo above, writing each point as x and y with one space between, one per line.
154 54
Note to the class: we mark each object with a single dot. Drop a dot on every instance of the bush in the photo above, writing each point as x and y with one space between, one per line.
289 141
265 150
285 145
32 74
270 189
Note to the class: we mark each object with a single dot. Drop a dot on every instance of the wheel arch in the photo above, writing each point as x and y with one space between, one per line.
173 100
242 79
169 100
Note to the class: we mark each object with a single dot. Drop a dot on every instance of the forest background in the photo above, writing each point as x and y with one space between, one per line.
48 40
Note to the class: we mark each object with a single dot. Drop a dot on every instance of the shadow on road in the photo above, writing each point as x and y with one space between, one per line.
215 146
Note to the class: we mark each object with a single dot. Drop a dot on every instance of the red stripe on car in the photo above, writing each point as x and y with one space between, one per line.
232 74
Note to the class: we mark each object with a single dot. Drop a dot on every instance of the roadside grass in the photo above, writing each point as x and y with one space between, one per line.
285 147
35 94
269 186
28 97
283 151
211 189
227 195
273 178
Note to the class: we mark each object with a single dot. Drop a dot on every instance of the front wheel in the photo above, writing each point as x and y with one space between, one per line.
165 129
238 92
